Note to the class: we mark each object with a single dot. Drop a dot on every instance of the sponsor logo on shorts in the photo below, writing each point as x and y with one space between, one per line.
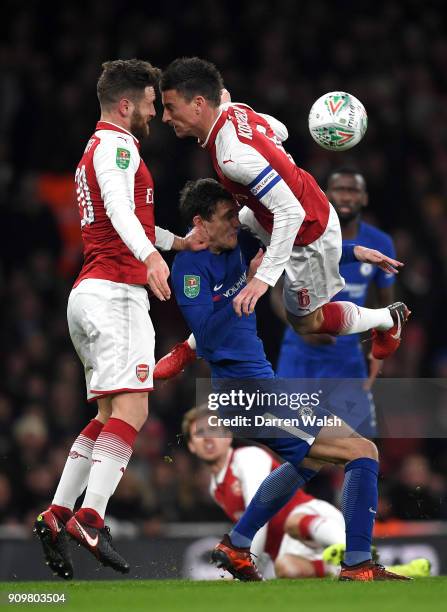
142 371
303 298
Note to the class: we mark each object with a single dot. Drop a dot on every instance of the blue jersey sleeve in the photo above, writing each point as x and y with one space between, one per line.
192 287
386 246
347 254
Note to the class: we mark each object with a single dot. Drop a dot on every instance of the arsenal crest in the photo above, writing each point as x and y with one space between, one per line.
142 371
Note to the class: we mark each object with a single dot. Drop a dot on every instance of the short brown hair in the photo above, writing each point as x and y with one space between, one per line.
125 77
190 417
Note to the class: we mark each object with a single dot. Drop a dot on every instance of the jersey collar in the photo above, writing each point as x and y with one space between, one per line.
218 123
219 478
108 125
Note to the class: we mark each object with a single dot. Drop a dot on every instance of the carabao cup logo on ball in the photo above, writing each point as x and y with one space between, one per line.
337 121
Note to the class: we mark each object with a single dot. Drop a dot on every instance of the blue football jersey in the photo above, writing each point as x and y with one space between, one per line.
205 285
344 358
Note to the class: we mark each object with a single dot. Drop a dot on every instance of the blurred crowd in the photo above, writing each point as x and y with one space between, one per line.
278 61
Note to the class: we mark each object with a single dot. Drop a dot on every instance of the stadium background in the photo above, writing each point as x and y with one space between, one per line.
392 56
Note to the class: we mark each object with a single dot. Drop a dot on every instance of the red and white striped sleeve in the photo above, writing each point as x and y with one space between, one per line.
251 169
117 192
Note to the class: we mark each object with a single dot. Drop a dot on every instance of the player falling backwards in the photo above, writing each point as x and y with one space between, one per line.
108 314
306 537
284 206
205 284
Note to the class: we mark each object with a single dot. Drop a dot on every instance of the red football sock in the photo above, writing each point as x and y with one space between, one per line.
304 524
319 569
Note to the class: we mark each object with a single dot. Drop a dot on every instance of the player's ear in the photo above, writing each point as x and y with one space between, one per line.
125 107
197 221
191 447
199 103
365 200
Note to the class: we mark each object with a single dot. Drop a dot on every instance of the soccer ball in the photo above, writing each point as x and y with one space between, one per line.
337 121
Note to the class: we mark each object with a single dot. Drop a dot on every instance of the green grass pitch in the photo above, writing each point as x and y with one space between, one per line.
312 595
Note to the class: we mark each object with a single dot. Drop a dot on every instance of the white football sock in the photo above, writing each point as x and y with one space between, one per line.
110 457
76 472
192 342
327 531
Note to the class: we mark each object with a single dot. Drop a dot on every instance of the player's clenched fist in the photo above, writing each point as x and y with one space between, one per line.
245 301
157 276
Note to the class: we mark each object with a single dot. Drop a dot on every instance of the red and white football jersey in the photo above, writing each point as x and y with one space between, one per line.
238 481
115 193
253 165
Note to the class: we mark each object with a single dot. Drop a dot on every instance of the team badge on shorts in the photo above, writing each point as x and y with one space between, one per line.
142 371
303 298
191 285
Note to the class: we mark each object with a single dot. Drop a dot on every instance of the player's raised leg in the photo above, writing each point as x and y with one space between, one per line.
176 360
110 456
50 524
344 318
312 278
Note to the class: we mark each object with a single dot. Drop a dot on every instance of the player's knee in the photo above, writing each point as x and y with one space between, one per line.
284 569
361 447
104 409
133 408
309 324
292 525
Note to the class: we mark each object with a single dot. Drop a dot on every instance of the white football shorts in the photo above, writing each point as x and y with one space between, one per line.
112 333
312 275
291 546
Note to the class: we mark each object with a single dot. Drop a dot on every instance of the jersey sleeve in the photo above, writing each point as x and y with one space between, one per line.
382 278
251 465
281 132
251 169
164 239
116 180
192 288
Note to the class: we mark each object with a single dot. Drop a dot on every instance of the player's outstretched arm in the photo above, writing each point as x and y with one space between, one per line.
385 263
195 240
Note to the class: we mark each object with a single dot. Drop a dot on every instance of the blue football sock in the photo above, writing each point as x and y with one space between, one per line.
359 507
273 493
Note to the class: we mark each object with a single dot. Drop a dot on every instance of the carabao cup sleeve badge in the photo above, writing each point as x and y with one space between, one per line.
191 285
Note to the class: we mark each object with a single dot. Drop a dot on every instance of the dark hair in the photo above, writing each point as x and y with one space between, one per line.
201 198
192 76
349 170
125 77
